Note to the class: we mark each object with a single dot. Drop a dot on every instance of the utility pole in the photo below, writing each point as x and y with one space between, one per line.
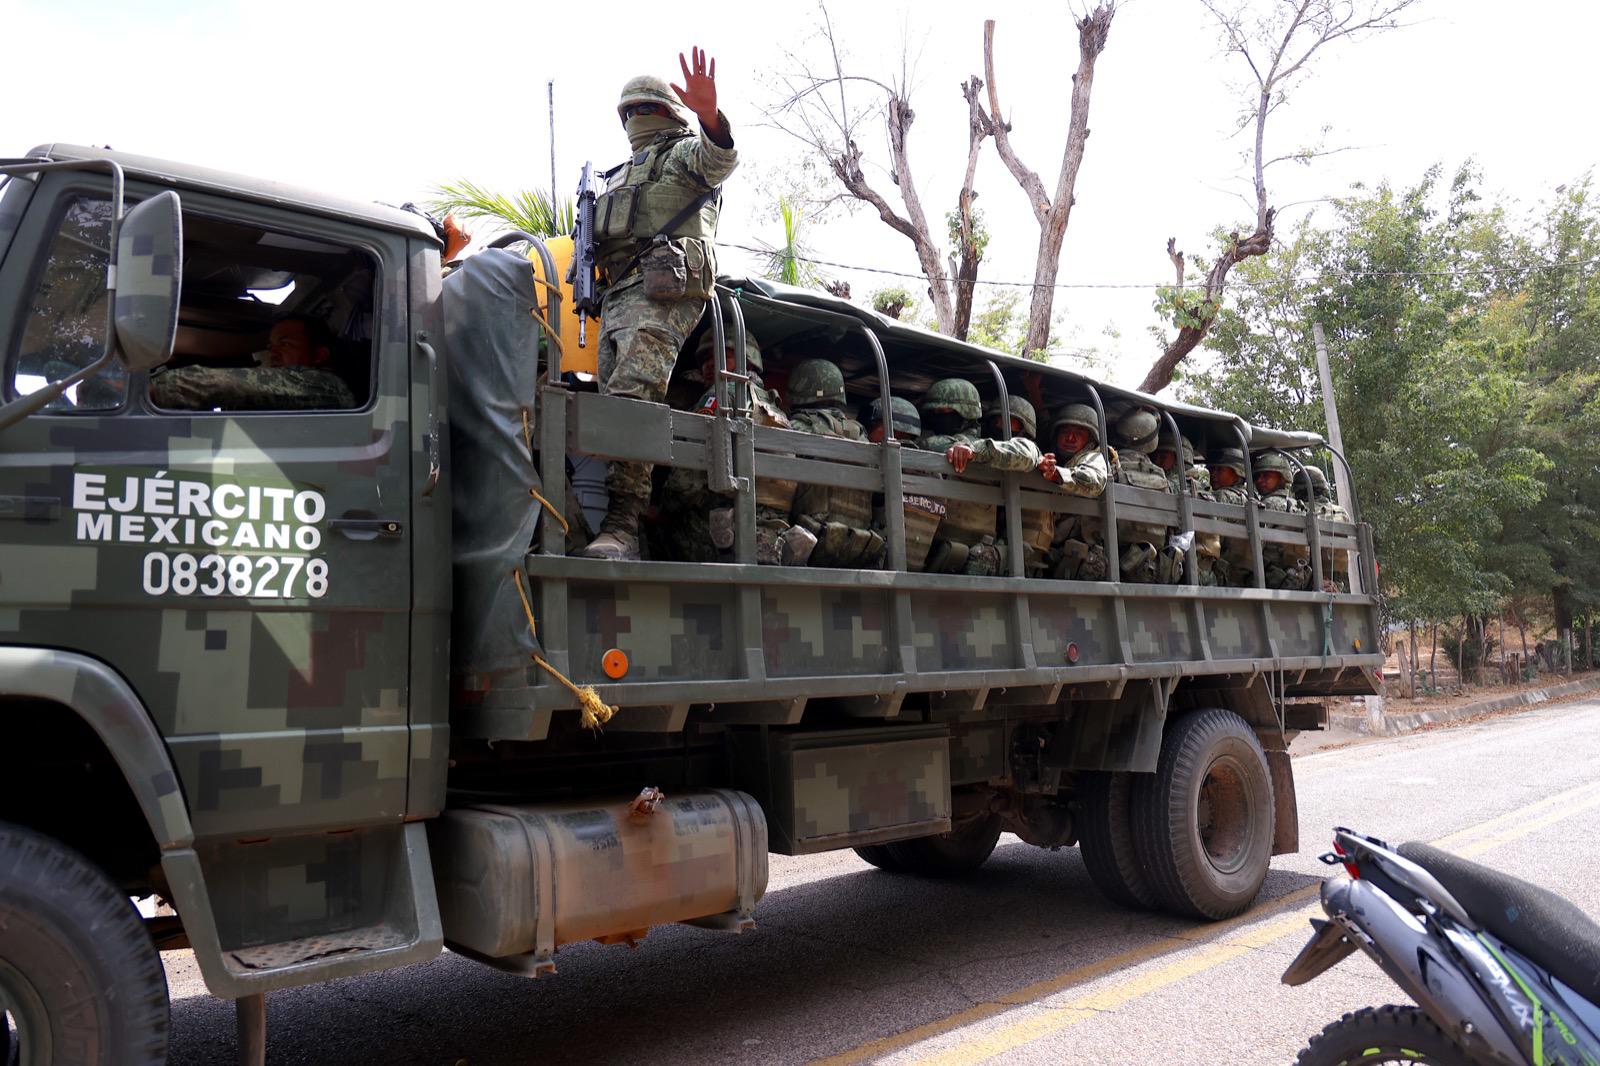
551 88
1330 411
1341 478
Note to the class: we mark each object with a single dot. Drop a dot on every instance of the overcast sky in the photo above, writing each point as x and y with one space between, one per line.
383 101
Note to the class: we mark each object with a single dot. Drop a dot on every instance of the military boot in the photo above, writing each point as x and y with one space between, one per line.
619 533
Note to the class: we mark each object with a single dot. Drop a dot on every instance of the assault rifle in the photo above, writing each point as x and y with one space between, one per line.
585 299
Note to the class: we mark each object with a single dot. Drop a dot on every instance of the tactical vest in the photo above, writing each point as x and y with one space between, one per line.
923 514
637 203
964 522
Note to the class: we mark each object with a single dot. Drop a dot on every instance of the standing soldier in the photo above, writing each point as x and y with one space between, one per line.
653 231
1286 566
1078 466
840 519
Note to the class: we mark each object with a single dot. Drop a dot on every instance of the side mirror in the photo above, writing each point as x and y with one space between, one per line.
149 281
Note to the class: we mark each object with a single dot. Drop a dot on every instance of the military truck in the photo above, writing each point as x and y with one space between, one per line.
333 685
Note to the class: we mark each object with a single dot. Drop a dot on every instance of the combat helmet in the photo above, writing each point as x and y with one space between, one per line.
648 89
1319 481
1187 451
1274 462
954 394
907 422
1021 410
816 383
1231 458
1137 430
752 350
1077 414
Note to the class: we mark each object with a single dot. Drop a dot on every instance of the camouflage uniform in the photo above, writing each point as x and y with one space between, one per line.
922 513
258 388
1186 476
965 541
640 336
840 519
698 524
1234 567
1078 549
1335 564
1148 556
1285 565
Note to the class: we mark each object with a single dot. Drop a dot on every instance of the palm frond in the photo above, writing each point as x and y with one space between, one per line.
529 210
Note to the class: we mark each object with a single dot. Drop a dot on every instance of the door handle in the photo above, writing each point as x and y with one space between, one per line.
366 528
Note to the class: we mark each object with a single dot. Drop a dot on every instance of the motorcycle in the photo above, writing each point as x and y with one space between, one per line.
1502 971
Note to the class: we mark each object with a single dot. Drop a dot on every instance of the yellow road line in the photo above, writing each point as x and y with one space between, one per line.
1061 982
1217 947
1463 837
1055 1018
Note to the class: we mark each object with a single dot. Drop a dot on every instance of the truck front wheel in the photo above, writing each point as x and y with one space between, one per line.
80 981
1202 822
948 854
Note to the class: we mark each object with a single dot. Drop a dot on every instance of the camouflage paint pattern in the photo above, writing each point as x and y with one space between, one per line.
955 631
809 631
830 790
669 632
978 753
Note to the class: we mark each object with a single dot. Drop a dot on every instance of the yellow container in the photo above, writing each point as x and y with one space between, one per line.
573 357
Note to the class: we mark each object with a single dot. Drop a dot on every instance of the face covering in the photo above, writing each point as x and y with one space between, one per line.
642 129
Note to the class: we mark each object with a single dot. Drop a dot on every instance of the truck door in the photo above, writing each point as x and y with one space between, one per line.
233 540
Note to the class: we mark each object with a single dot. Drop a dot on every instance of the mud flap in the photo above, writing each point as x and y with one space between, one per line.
1285 812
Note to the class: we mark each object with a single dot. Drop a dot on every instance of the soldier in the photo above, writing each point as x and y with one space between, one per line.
295 376
653 230
699 523
1286 566
1185 474
1148 556
1226 469
840 519
1078 466
1018 453
965 542
922 512
1317 497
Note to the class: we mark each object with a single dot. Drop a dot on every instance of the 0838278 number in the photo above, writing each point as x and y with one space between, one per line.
264 576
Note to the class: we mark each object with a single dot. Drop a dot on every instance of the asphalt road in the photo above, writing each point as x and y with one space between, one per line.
1023 961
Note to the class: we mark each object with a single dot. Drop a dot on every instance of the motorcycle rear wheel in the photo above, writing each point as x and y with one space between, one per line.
1391 1036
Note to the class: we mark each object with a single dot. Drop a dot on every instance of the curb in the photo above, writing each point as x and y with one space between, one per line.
1393 725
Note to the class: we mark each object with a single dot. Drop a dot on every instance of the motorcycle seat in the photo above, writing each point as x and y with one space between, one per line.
1537 922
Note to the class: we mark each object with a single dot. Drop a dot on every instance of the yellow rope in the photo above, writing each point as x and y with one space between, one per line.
550 332
596 712
527 438
551 511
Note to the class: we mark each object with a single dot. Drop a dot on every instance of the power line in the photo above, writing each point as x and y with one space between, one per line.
1306 279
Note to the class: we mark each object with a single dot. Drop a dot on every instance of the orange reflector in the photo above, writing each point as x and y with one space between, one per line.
1358 643
614 663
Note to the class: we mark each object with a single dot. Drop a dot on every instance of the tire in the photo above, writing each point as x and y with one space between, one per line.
876 854
1376 1035
1202 822
1105 839
78 973
948 854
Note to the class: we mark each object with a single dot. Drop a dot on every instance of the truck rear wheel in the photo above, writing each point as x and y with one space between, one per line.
80 981
948 854
876 854
1105 840
1203 821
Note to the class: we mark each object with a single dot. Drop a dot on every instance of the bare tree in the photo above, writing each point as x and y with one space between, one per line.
1277 48
830 114
1051 214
